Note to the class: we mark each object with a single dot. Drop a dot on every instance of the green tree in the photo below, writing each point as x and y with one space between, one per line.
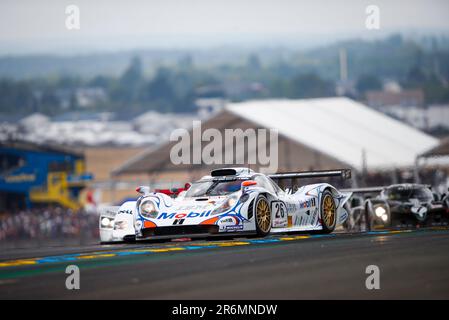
309 86
159 88
16 97
368 82
253 63
130 82
415 77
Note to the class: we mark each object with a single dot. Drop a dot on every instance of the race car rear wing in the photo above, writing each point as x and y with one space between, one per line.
342 173
365 190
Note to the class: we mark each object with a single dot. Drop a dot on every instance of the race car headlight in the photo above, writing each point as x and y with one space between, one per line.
107 222
228 204
148 209
380 212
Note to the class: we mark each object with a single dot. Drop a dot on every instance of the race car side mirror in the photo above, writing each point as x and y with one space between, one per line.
248 183
143 190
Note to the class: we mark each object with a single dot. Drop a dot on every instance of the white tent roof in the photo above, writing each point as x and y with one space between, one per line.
341 128
35 120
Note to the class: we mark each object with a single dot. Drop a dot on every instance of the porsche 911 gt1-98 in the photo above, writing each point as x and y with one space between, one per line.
234 201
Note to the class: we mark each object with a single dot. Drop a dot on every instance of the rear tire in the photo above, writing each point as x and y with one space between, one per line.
328 212
262 216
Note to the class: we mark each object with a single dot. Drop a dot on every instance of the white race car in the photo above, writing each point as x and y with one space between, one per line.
116 223
230 201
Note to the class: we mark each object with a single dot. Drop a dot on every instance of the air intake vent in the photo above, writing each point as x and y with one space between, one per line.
223 172
251 209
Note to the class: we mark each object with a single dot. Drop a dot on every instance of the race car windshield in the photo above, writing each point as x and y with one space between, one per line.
213 188
407 194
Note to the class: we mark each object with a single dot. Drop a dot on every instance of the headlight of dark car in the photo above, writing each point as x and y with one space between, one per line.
381 212
148 209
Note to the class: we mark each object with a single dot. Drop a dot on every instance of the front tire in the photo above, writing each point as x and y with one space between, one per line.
328 212
262 216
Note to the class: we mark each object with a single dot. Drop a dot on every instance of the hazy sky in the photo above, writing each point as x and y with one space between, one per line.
28 26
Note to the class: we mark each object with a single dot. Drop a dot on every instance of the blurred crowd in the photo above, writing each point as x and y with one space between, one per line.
48 223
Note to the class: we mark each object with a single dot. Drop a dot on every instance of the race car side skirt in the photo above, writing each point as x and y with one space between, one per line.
179 230
198 235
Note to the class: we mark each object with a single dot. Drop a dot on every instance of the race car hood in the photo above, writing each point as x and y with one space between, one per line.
190 211
408 204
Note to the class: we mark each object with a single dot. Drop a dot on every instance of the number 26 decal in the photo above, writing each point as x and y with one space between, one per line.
279 209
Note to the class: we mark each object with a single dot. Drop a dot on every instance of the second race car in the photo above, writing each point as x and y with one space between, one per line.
401 205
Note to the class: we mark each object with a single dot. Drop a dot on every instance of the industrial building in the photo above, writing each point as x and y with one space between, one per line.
35 175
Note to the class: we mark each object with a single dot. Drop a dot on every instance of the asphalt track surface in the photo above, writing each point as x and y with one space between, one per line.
414 264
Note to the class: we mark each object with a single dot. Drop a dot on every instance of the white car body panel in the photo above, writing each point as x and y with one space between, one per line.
123 224
106 230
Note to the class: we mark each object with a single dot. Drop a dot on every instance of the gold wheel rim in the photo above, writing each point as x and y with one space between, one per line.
263 215
328 210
